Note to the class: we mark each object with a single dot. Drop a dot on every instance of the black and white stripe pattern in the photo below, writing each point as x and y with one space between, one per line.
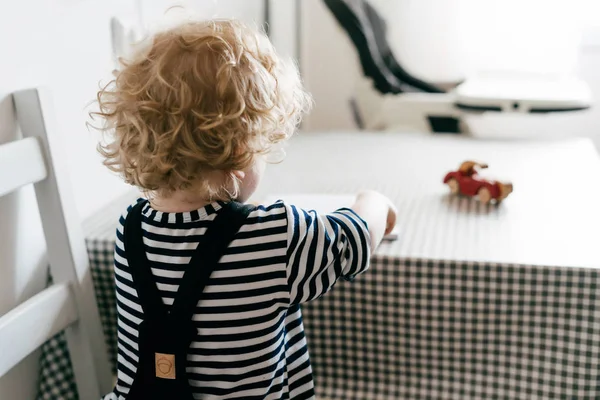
251 342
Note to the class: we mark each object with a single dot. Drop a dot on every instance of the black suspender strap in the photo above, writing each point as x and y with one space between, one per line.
166 334
212 245
206 257
148 293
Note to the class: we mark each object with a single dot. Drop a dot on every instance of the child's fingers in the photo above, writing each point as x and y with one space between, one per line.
391 219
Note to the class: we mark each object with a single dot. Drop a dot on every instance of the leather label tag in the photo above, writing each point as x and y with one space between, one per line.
164 365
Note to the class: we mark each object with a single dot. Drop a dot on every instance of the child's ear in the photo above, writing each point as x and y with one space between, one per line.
239 174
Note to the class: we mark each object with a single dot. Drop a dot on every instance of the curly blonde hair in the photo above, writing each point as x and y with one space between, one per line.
201 97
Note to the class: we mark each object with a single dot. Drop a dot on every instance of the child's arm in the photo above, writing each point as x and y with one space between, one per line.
378 212
324 248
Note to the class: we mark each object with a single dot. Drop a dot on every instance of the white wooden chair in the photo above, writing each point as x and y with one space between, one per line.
69 304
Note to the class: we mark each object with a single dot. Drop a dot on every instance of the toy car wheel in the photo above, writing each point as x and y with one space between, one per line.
484 195
453 185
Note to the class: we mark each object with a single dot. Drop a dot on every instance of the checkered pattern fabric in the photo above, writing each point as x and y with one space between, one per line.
416 329
101 253
56 379
413 329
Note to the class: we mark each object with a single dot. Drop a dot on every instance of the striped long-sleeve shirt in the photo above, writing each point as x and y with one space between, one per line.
250 342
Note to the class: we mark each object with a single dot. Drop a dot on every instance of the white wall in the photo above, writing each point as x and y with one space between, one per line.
329 66
283 27
157 14
64 45
444 40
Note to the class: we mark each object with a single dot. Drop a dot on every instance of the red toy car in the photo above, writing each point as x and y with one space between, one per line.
467 182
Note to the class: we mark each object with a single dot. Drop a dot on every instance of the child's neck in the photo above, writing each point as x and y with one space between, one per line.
178 202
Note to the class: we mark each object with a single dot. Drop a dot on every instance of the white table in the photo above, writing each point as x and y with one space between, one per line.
551 219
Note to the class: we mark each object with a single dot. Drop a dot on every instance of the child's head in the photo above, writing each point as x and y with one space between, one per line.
197 109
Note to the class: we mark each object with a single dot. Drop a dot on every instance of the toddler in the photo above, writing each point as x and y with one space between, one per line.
209 289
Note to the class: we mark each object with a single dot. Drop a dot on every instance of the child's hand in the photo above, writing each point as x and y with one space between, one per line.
391 217
378 211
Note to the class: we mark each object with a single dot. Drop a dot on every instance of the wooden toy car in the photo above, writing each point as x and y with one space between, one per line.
466 181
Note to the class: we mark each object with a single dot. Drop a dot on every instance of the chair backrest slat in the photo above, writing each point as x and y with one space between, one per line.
22 163
27 326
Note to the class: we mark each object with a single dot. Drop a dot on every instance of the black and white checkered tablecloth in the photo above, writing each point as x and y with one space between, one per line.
417 329
525 324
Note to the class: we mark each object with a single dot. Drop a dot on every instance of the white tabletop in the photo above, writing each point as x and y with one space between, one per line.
552 218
